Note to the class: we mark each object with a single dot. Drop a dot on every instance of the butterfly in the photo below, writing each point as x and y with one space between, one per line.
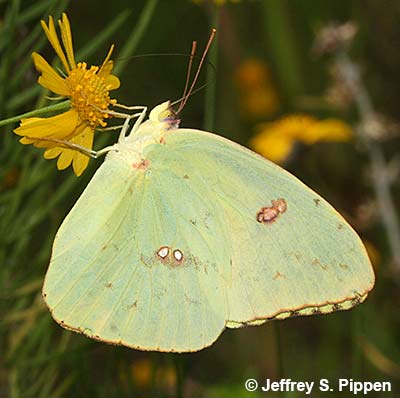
182 233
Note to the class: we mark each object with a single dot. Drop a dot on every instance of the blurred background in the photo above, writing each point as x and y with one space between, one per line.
312 85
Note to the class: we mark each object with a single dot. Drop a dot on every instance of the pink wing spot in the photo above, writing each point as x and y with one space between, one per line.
270 213
163 252
178 255
279 204
267 214
142 165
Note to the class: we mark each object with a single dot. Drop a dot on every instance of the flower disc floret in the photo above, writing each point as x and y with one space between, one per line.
89 94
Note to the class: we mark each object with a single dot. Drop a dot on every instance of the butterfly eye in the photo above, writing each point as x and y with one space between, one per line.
167 114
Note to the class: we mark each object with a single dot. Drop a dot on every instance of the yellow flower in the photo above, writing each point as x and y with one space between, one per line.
88 90
144 373
275 140
257 93
272 145
373 254
332 130
9 179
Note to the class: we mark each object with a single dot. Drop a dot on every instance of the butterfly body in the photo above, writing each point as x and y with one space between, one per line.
181 233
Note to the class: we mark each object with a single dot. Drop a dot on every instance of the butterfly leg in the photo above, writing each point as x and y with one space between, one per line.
120 126
140 116
124 130
123 115
135 126
128 117
70 145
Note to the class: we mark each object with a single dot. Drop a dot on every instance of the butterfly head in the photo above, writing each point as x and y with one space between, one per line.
165 115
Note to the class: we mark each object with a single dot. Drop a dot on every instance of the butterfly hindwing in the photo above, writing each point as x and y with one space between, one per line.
108 280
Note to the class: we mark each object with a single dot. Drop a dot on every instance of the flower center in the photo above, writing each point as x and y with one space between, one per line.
89 94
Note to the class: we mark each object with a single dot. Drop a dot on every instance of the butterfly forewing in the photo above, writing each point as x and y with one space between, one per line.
305 259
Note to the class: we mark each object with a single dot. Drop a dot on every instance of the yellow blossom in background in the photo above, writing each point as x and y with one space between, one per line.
272 145
373 254
257 93
144 374
275 140
9 179
88 90
332 130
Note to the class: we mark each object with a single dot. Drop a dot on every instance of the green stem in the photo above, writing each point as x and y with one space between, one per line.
179 366
210 96
36 112
282 42
137 34
6 42
356 328
279 351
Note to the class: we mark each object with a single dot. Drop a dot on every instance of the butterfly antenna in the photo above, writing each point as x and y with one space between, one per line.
189 71
188 93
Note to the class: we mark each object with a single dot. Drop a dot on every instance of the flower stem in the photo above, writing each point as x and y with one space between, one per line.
279 351
180 377
390 218
210 96
137 33
283 45
36 112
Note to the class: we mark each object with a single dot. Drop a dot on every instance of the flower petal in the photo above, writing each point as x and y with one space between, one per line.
294 125
66 37
80 160
50 79
52 153
328 130
107 59
274 145
60 127
51 34
258 95
67 156
106 69
111 81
